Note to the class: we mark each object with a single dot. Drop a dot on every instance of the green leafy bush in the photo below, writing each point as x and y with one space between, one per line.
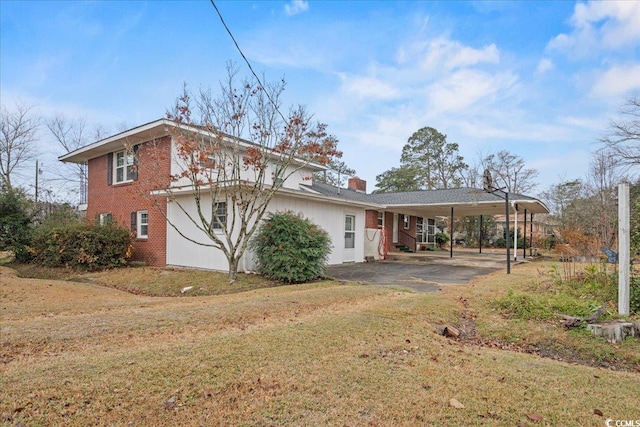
291 249
596 285
16 221
81 246
441 239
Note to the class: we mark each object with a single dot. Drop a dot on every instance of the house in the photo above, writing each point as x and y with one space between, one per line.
128 173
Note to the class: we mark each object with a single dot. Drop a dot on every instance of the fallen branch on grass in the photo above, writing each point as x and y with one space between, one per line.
574 322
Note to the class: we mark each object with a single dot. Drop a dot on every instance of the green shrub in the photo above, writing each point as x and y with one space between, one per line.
16 221
595 285
291 249
81 246
441 239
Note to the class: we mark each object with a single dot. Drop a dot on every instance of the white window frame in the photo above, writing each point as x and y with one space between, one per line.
104 218
380 219
431 230
420 231
349 231
219 216
128 162
406 222
142 227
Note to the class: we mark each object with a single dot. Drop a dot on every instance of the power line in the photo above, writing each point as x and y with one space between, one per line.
246 60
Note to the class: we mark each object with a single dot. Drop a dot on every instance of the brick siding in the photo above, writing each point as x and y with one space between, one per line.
371 219
120 200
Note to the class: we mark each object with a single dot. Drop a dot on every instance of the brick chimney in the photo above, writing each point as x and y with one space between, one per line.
357 184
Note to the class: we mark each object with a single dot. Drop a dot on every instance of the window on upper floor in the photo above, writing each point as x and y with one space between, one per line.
278 175
123 166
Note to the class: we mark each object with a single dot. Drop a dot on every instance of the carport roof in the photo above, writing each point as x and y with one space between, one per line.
465 201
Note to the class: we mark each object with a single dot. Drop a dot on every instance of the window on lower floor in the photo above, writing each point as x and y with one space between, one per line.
349 231
425 230
219 215
142 224
105 219
380 219
405 221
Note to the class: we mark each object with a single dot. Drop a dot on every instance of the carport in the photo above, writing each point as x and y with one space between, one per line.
463 202
448 203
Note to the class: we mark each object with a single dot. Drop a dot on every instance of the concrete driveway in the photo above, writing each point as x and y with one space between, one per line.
421 274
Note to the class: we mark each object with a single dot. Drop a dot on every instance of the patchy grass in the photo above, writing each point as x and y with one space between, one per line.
78 354
523 311
153 281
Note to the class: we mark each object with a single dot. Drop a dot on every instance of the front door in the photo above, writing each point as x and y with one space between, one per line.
349 254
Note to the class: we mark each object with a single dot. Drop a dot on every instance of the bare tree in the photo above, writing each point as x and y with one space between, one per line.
336 173
509 172
72 134
18 135
586 210
603 178
623 137
471 176
235 157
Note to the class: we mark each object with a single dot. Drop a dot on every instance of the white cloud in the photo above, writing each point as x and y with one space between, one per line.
462 89
296 7
544 65
368 87
617 81
599 25
447 55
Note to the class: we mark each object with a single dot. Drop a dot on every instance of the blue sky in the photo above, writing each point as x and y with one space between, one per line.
540 79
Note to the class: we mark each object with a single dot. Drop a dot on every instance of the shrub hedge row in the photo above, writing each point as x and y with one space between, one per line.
81 246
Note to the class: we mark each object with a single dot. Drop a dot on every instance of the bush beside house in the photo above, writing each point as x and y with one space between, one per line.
291 249
81 246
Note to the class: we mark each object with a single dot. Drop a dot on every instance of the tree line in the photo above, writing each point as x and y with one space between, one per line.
429 162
